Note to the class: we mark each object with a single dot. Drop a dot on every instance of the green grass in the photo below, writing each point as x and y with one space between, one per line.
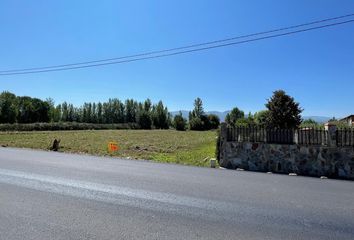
190 147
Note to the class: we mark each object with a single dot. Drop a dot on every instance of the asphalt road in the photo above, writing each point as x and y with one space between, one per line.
46 195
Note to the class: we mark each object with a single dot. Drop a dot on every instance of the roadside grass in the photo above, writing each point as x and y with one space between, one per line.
189 147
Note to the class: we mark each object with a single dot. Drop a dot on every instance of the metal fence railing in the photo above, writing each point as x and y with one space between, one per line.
305 136
345 137
312 136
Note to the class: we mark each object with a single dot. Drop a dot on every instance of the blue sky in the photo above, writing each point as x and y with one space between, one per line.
316 68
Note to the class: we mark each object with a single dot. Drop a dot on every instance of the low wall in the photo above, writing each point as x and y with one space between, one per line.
335 162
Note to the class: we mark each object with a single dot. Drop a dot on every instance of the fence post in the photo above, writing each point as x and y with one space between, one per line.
296 136
332 139
223 131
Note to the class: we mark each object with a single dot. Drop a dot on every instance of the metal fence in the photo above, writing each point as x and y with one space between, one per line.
312 136
345 137
305 136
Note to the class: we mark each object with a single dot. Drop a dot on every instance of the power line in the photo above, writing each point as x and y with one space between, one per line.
173 53
184 47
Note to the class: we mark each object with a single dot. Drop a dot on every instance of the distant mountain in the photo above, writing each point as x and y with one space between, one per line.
222 115
185 114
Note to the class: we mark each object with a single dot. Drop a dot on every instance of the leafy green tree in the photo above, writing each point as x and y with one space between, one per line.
84 117
118 111
77 111
8 107
94 113
310 123
147 105
106 113
57 113
205 122
40 111
65 112
214 121
99 113
196 124
169 119
144 119
160 116
51 105
261 118
32 110
71 113
179 123
25 110
144 114
89 112
245 122
232 117
284 112
198 110
197 118
131 110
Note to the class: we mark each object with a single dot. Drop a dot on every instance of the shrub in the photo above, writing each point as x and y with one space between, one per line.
233 116
179 123
196 124
214 121
245 122
204 122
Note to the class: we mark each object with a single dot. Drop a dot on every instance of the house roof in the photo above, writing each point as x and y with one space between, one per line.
350 116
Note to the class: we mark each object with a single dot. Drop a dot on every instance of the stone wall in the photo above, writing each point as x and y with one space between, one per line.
335 162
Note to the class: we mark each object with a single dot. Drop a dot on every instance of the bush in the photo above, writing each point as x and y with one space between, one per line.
245 122
214 121
233 116
179 123
204 122
196 124
56 126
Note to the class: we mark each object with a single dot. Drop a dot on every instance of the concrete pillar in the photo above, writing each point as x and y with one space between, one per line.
222 146
332 138
296 136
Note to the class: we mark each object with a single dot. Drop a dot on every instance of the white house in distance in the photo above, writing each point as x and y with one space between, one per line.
348 120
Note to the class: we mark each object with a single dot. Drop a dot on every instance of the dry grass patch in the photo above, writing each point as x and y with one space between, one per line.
190 147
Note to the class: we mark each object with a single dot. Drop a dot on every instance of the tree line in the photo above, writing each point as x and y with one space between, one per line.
282 112
24 109
198 120
17 109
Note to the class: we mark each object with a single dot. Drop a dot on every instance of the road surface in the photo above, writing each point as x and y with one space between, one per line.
46 195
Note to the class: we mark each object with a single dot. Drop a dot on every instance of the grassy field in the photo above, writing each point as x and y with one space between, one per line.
190 147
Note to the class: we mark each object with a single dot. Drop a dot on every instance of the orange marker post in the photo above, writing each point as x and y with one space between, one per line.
113 146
